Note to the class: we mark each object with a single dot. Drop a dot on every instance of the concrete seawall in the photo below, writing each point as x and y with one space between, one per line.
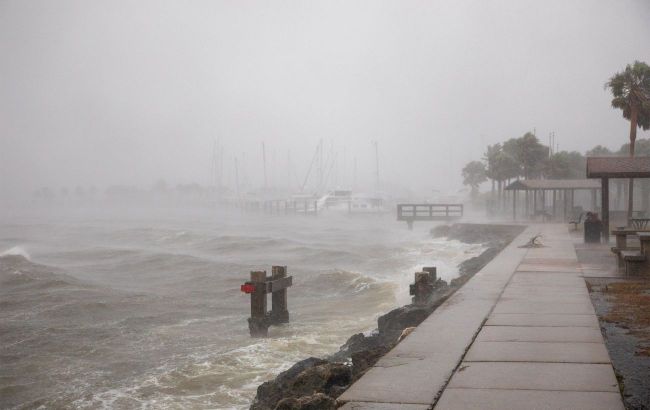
521 333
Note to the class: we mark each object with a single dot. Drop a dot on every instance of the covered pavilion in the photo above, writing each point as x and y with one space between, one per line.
563 187
606 168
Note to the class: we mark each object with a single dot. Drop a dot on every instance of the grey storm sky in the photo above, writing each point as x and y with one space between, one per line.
126 92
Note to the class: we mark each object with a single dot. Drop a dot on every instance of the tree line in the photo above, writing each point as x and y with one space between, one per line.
526 157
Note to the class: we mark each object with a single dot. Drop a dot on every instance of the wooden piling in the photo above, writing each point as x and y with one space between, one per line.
258 286
258 323
422 288
432 271
279 311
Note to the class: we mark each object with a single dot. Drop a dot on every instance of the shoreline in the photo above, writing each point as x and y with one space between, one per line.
317 382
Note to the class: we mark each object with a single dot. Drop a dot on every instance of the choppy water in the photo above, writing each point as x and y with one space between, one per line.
144 310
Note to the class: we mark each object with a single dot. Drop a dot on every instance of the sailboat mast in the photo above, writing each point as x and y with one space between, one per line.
354 175
377 164
288 171
321 165
237 181
264 164
220 180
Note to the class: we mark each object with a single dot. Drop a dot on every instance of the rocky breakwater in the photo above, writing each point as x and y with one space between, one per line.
315 383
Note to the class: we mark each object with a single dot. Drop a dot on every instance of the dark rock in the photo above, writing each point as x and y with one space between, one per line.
318 401
321 378
477 233
357 343
269 393
363 360
475 264
394 322
440 231
303 379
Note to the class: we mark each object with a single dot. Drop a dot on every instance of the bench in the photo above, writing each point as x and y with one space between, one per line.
637 261
577 222
621 234
634 262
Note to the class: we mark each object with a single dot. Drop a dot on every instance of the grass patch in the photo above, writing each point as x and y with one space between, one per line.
630 309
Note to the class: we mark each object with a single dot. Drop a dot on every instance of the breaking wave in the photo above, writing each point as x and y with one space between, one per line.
17 251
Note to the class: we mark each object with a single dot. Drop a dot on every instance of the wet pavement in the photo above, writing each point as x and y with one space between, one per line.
522 333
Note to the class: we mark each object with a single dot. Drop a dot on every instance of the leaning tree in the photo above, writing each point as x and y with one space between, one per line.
474 175
631 92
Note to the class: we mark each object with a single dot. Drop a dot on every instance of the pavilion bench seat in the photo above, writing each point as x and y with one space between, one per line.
576 221
635 262
620 263
622 234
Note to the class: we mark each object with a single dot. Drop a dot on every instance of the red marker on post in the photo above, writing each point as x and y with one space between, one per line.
248 287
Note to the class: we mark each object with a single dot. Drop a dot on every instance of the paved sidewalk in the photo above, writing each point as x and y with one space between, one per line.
522 333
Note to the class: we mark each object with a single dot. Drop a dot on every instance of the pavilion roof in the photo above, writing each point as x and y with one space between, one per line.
551 184
618 167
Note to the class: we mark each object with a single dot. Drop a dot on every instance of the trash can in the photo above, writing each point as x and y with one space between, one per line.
593 230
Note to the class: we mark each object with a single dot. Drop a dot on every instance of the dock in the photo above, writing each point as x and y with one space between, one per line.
521 333
428 212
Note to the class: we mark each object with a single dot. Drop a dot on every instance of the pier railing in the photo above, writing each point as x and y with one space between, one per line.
428 212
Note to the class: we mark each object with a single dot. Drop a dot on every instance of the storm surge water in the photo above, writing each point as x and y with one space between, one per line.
109 311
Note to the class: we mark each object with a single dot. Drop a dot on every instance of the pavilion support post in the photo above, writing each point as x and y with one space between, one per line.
514 205
630 201
565 198
593 200
554 204
604 196
527 207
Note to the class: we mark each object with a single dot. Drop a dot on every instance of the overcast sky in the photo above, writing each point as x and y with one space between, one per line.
126 92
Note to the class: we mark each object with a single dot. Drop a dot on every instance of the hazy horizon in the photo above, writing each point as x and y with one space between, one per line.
103 93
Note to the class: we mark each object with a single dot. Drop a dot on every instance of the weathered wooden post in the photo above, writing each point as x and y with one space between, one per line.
279 285
258 323
432 271
423 286
258 286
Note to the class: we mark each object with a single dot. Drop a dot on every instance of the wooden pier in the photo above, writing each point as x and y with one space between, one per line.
428 212
283 207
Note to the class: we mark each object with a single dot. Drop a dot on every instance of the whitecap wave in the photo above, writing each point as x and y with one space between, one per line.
16 251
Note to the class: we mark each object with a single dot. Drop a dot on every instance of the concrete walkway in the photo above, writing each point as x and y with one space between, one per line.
522 333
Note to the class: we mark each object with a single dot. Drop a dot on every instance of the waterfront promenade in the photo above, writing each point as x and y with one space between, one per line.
522 333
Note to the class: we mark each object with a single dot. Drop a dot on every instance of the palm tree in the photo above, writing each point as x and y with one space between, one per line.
631 91
565 165
501 167
529 154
